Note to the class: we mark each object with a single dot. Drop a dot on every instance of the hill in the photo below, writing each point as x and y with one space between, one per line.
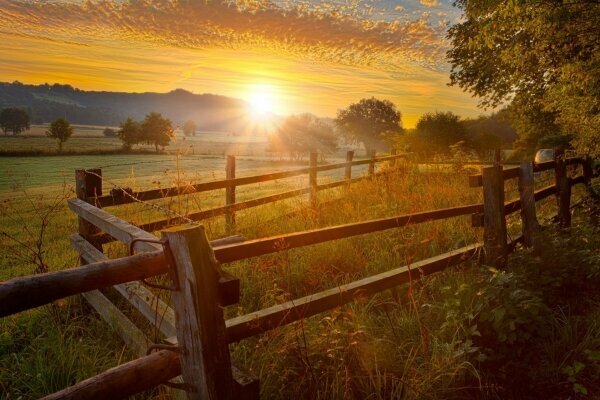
47 102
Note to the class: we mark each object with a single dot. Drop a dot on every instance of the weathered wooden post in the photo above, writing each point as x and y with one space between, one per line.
563 187
494 218
88 184
348 172
530 224
201 335
372 164
588 174
230 195
312 178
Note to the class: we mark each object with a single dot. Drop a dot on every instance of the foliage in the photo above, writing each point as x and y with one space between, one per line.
535 55
189 128
490 132
108 132
435 132
14 120
301 134
129 133
61 130
156 130
371 122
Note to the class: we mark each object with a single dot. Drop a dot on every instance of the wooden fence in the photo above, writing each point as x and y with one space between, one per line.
196 335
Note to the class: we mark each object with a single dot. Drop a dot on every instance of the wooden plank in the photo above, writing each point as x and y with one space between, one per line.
204 353
253 248
564 189
23 293
115 198
529 222
126 233
494 232
125 380
157 312
230 195
282 314
135 340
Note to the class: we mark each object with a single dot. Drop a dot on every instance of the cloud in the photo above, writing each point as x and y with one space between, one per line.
430 3
350 35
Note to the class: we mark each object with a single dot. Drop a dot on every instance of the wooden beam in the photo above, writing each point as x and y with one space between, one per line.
204 354
254 248
125 380
126 233
23 293
154 194
230 195
157 312
282 314
88 186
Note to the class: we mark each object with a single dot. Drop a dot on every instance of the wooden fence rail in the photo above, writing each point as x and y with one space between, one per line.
193 269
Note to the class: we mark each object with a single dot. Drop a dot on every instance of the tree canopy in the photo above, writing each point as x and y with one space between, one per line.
61 130
156 130
129 133
370 122
542 58
15 120
301 134
437 131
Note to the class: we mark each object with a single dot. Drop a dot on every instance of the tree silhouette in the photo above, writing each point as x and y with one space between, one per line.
14 120
371 122
156 130
60 130
129 133
189 128
438 131
304 133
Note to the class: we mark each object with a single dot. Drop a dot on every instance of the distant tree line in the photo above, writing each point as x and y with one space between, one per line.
154 129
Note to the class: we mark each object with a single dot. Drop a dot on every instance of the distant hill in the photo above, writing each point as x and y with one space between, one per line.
48 102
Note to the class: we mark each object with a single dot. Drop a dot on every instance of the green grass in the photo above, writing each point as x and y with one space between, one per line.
469 332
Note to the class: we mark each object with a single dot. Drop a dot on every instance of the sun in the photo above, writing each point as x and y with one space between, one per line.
261 99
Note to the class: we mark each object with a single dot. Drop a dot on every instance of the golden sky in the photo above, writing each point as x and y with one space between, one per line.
314 56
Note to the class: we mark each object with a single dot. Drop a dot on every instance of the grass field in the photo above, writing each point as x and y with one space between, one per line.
469 332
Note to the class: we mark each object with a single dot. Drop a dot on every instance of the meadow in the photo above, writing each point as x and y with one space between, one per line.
469 332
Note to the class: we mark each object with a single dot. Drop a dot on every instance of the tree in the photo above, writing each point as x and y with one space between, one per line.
437 131
189 128
489 132
371 122
60 130
156 130
535 56
14 120
304 133
129 133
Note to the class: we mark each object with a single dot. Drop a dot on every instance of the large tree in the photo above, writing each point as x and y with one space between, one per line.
156 130
61 130
129 133
14 120
543 58
301 134
371 122
437 131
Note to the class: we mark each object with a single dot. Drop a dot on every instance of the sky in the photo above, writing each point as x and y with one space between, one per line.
291 56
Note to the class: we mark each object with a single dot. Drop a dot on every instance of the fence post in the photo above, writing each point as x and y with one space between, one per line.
88 185
530 224
588 174
348 172
494 219
372 164
564 189
312 178
201 335
230 195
